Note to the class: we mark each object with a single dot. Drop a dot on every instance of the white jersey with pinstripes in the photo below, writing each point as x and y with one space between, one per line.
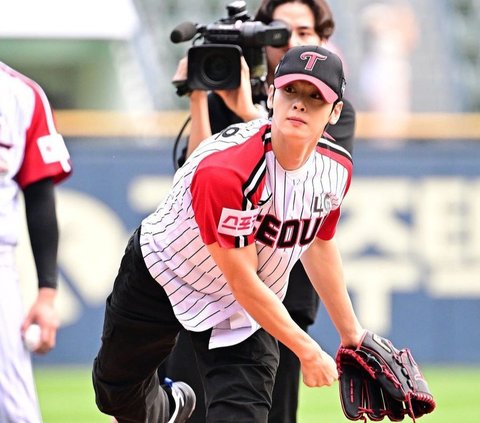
233 191
30 146
30 150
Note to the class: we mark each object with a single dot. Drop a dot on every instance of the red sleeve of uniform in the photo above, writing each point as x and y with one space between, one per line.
223 199
45 153
329 226
213 190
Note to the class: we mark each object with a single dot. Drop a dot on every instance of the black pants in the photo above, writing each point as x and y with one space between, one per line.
139 332
182 365
287 383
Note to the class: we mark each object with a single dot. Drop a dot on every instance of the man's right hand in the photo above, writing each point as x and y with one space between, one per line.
319 369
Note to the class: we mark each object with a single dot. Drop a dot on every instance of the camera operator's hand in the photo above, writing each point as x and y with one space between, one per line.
179 80
199 123
181 73
239 100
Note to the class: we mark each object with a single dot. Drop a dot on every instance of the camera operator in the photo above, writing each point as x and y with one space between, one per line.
310 22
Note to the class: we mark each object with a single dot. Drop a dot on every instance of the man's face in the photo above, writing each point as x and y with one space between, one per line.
300 112
302 23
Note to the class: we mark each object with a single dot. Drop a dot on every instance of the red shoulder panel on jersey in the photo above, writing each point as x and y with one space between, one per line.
231 179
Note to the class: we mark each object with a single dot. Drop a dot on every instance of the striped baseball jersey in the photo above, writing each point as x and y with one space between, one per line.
233 191
30 147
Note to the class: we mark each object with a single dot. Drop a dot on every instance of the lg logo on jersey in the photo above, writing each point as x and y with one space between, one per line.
322 205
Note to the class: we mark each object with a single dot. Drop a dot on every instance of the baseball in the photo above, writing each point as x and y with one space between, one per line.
31 338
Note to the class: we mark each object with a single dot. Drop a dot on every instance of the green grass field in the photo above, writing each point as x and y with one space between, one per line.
66 395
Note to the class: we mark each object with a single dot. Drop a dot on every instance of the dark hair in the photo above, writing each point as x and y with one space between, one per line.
324 23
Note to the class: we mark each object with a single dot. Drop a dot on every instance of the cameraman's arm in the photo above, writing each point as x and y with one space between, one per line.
240 100
200 122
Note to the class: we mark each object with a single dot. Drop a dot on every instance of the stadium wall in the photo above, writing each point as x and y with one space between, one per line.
408 234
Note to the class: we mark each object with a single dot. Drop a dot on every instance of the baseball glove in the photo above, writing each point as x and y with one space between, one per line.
378 380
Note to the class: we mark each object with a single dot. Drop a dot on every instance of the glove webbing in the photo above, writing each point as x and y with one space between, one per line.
375 369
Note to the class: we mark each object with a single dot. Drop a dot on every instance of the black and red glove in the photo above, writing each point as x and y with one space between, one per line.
378 380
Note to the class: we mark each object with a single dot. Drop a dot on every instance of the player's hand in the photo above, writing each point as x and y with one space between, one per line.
44 314
239 100
319 369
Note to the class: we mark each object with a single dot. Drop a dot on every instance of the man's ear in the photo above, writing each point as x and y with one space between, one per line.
271 92
336 112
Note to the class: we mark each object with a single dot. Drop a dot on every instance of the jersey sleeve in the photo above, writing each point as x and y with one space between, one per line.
218 204
329 226
46 155
343 158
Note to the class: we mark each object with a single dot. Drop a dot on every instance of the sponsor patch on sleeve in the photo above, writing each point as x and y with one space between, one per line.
52 148
237 222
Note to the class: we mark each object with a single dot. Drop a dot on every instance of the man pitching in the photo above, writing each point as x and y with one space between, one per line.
215 257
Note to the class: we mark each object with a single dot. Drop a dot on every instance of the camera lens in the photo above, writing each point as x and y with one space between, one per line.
217 69
214 67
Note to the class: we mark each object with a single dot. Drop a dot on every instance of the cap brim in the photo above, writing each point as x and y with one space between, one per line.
327 93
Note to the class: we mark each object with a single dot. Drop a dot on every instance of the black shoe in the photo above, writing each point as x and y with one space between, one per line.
185 401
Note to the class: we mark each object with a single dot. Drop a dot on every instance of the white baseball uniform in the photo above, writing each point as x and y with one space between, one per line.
233 191
30 150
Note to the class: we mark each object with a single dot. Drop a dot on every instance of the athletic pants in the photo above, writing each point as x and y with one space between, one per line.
182 365
18 399
140 330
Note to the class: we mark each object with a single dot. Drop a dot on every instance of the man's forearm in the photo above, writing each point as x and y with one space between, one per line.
43 230
239 268
324 267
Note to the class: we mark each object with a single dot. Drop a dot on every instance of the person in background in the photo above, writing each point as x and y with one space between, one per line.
215 256
311 22
33 158
390 33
